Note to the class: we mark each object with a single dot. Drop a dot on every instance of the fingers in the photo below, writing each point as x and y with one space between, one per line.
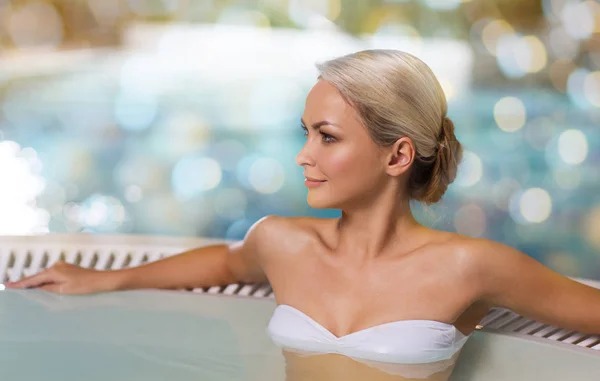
49 275
61 278
32 281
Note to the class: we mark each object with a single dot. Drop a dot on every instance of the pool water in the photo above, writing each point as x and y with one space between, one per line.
161 335
156 335
135 335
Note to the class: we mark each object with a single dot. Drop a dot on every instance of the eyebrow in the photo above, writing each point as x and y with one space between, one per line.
317 125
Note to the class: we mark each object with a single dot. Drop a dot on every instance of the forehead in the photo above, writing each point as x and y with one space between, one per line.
324 102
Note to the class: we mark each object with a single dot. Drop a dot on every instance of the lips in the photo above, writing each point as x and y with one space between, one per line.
313 183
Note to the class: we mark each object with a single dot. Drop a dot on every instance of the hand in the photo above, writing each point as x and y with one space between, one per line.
66 278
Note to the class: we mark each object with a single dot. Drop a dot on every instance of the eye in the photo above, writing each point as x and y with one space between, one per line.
304 130
327 138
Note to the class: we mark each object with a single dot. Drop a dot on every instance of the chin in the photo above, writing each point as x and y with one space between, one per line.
317 202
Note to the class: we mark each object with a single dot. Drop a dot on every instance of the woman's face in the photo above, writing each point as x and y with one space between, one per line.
339 154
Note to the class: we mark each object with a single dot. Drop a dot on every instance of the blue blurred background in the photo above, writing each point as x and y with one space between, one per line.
181 117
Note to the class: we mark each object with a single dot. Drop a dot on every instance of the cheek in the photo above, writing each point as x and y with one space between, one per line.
347 163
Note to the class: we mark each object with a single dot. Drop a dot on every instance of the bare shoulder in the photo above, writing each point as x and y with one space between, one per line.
463 249
459 252
492 263
481 257
278 234
505 277
477 257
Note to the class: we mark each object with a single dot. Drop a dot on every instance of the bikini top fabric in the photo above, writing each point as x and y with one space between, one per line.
403 342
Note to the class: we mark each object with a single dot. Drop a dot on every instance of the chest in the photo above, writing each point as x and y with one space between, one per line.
348 299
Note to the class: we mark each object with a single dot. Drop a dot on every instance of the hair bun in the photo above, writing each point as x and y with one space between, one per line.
445 166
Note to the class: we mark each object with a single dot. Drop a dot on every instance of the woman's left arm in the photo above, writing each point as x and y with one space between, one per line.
511 279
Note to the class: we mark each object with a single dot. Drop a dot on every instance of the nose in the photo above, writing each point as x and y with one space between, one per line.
305 157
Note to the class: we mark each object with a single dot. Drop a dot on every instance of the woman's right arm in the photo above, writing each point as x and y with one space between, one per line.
213 265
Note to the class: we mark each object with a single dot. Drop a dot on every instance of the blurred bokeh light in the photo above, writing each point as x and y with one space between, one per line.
181 117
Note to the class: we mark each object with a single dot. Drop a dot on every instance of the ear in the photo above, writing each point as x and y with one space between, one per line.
400 156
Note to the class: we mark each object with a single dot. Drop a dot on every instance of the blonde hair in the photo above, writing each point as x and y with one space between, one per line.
396 95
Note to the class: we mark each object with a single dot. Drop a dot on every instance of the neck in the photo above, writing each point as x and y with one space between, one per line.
371 231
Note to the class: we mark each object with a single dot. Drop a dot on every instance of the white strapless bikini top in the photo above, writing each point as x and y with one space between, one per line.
400 342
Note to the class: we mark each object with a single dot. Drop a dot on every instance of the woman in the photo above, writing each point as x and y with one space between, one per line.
373 284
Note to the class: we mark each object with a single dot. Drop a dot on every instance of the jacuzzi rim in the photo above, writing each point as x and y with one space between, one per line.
541 340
